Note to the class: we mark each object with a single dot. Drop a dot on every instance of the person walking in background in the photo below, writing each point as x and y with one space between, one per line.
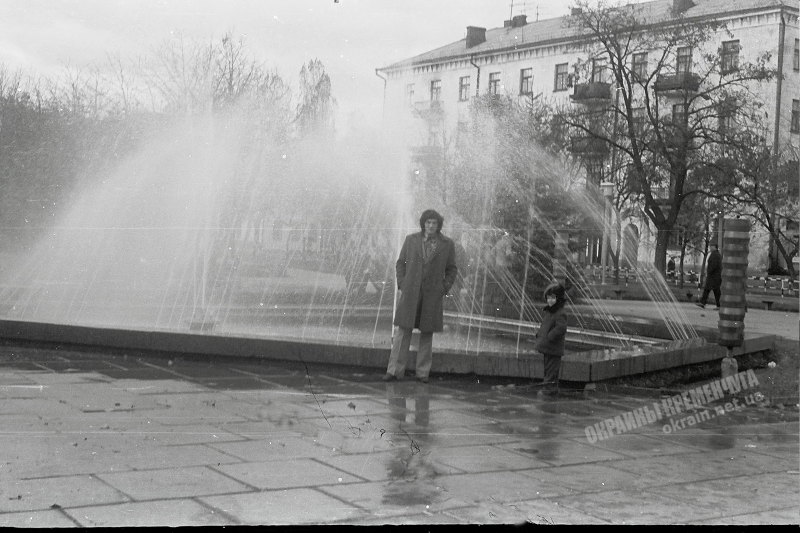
671 268
552 334
713 277
426 270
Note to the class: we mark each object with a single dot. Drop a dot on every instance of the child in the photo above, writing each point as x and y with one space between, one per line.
551 335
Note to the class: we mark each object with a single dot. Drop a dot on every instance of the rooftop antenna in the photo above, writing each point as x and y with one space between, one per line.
523 9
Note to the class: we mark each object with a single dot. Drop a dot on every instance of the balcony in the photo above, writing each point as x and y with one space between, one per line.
686 81
429 109
588 92
588 146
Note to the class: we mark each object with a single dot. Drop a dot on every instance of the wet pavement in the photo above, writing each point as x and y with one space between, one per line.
97 439
757 321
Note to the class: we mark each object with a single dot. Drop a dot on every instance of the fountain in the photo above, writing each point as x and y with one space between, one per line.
207 241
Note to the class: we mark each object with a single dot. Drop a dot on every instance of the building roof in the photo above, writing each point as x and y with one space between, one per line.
559 29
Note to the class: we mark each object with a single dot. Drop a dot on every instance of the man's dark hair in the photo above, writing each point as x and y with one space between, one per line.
429 214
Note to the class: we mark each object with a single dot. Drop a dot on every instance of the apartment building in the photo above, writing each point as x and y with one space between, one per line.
427 97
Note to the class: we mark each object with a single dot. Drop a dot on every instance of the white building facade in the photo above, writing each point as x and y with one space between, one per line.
427 97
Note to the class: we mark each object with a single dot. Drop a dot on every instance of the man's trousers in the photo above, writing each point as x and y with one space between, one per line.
399 355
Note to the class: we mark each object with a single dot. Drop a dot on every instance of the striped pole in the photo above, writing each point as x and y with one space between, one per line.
735 247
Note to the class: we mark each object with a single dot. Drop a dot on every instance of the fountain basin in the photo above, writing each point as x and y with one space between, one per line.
587 366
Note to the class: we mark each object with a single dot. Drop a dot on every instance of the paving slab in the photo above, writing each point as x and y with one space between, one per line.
543 511
67 491
287 474
773 517
274 449
504 457
189 434
168 513
713 496
635 445
563 452
625 507
157 386
583 478
285 507
37 519
373 466
403 496
447 517
355 439
165 483
483 488
689 468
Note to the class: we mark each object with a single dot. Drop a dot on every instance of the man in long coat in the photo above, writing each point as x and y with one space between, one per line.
426 269
713 277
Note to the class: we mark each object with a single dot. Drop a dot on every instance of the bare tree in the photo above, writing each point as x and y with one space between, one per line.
659 88
317 104
182 75
235 73
124 87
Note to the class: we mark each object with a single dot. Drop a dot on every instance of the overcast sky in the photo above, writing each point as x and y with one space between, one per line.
351 37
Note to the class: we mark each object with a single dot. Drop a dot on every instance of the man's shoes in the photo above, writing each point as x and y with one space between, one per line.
389 377
700 305
422 380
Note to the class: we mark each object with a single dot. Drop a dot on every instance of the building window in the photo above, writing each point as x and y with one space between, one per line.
639 118
679 113
526 81
599 70
561 82
726 123
434 137
410 93
797 54
730 56
639 66
684 62
795 116
463 88
436 90
494 83
594 169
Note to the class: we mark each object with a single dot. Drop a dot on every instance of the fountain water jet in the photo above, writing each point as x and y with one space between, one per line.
206 227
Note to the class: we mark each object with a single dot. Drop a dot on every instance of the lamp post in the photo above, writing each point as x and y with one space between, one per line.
608 189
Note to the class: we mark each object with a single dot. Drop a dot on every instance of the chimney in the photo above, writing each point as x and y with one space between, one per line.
679 6
475 36
519 21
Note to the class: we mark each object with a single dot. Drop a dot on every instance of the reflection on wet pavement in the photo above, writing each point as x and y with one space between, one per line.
239 442
411 474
